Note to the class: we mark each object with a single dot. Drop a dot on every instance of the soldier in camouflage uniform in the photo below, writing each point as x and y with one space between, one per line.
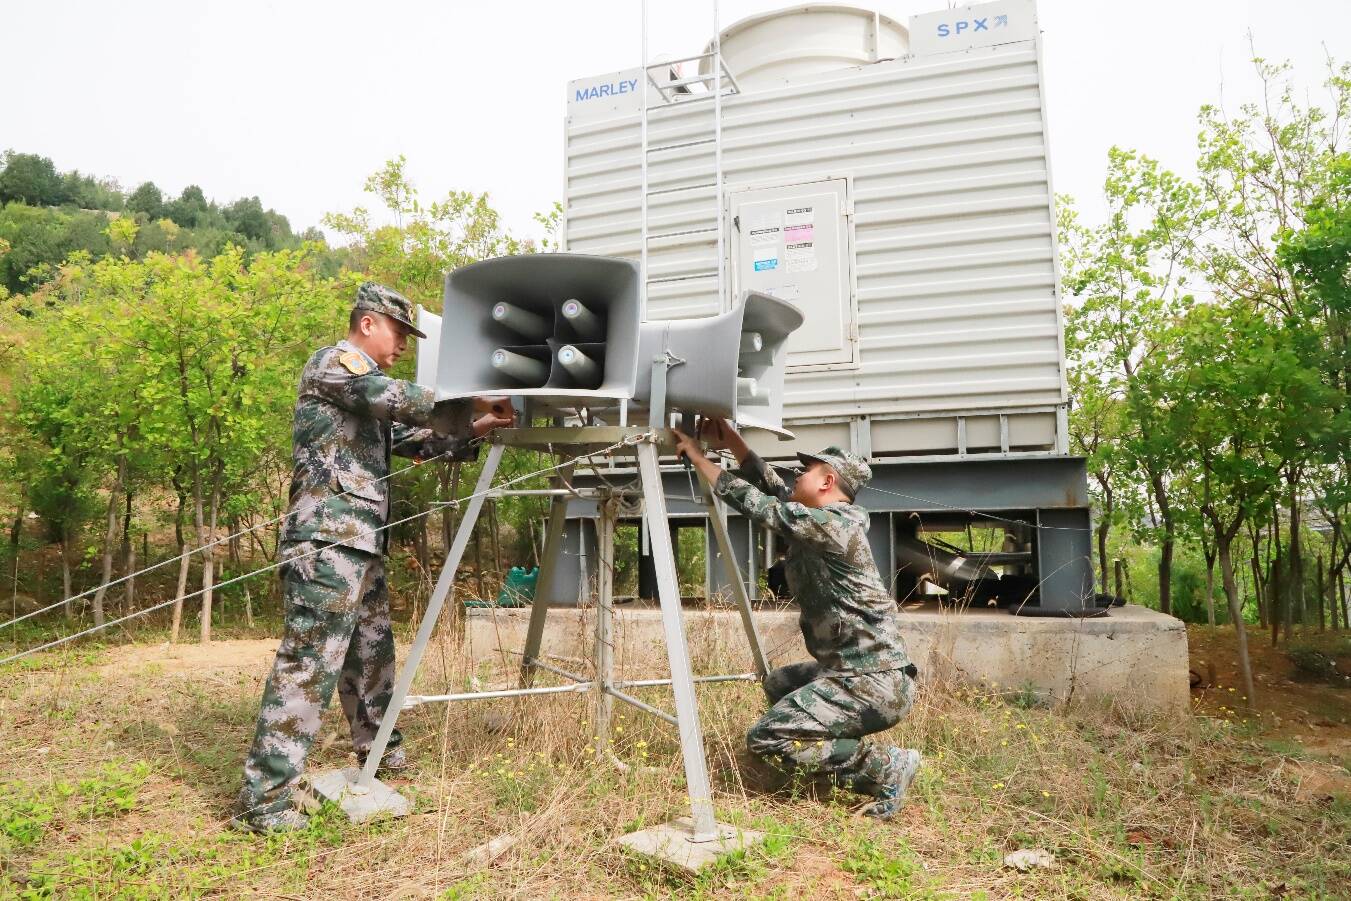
861 679
349 418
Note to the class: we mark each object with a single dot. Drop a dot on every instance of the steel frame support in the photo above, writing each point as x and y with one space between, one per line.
445 582
677 652
718 519
544 587
703 826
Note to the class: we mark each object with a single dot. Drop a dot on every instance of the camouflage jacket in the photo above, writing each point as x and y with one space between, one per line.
350 417
849 620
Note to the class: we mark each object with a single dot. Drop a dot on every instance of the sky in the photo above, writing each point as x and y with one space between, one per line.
297 102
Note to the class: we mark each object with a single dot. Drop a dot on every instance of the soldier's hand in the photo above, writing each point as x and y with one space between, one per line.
485 424
686 446
721 435
494 406
715 433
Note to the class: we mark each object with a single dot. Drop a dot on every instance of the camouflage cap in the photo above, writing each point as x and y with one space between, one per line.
853 470
378 298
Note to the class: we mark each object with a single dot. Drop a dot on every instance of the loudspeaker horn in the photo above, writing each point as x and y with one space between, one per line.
732 364
560 328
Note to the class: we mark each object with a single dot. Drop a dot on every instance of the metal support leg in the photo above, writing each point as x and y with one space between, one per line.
444 582
718 519
605 658
682 682
539 610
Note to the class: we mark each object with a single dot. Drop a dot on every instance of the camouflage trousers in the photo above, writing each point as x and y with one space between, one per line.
818 722
337 633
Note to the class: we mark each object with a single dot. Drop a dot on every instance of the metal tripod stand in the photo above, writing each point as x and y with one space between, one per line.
690 842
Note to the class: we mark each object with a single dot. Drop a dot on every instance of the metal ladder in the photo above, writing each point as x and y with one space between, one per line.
717 83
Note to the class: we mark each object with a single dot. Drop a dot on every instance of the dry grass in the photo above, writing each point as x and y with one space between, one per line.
118 778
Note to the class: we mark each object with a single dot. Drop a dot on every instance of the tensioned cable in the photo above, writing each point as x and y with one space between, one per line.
279 563
208 545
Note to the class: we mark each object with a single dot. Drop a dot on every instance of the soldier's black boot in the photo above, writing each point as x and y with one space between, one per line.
905 763
286 820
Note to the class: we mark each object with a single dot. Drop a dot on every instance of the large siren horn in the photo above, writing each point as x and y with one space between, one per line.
560 327
733 363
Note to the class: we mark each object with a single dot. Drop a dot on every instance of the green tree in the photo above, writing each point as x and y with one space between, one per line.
1130 275
31 179
1262 169
1318 256
190 209
147 200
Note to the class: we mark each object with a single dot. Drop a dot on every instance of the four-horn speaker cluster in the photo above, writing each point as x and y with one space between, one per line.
566 330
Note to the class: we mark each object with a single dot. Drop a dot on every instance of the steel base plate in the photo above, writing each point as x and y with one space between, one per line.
361 804
674 843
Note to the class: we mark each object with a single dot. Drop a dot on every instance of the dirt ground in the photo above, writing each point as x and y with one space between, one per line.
121 764
1314 715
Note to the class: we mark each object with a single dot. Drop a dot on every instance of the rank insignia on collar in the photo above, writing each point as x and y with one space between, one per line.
355 363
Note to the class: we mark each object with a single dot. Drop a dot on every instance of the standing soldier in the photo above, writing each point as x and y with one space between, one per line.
349 419
861 680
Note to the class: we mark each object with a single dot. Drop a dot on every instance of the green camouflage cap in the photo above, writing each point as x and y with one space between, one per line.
853 470
378 298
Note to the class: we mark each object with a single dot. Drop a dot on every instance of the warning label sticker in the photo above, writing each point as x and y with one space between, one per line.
766 235
800 257
798 225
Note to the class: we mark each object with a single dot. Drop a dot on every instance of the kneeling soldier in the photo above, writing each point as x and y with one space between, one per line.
861 680
349 419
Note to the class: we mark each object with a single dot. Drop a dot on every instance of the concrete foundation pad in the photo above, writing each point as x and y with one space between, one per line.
674 843
1133 655
358 802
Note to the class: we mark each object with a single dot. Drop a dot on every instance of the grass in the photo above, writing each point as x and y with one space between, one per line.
118 781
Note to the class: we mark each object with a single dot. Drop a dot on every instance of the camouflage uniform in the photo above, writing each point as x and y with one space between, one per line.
860 680
349 419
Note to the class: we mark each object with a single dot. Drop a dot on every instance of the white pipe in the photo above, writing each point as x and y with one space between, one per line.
588 325
528 325
649 683
415 700
581 367
519 367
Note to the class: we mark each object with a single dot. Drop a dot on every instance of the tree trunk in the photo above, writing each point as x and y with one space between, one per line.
478 557
1102 529
15 534
1343 601
1274 584
66 590
1258 587
494 531
1166 551
109 538
199 521
131 577
184 563
420 542
209 559
1210 589
1278 602
444 478
1236 614
248 606
1296 595
1322 617
1166 576
128 552
181 509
